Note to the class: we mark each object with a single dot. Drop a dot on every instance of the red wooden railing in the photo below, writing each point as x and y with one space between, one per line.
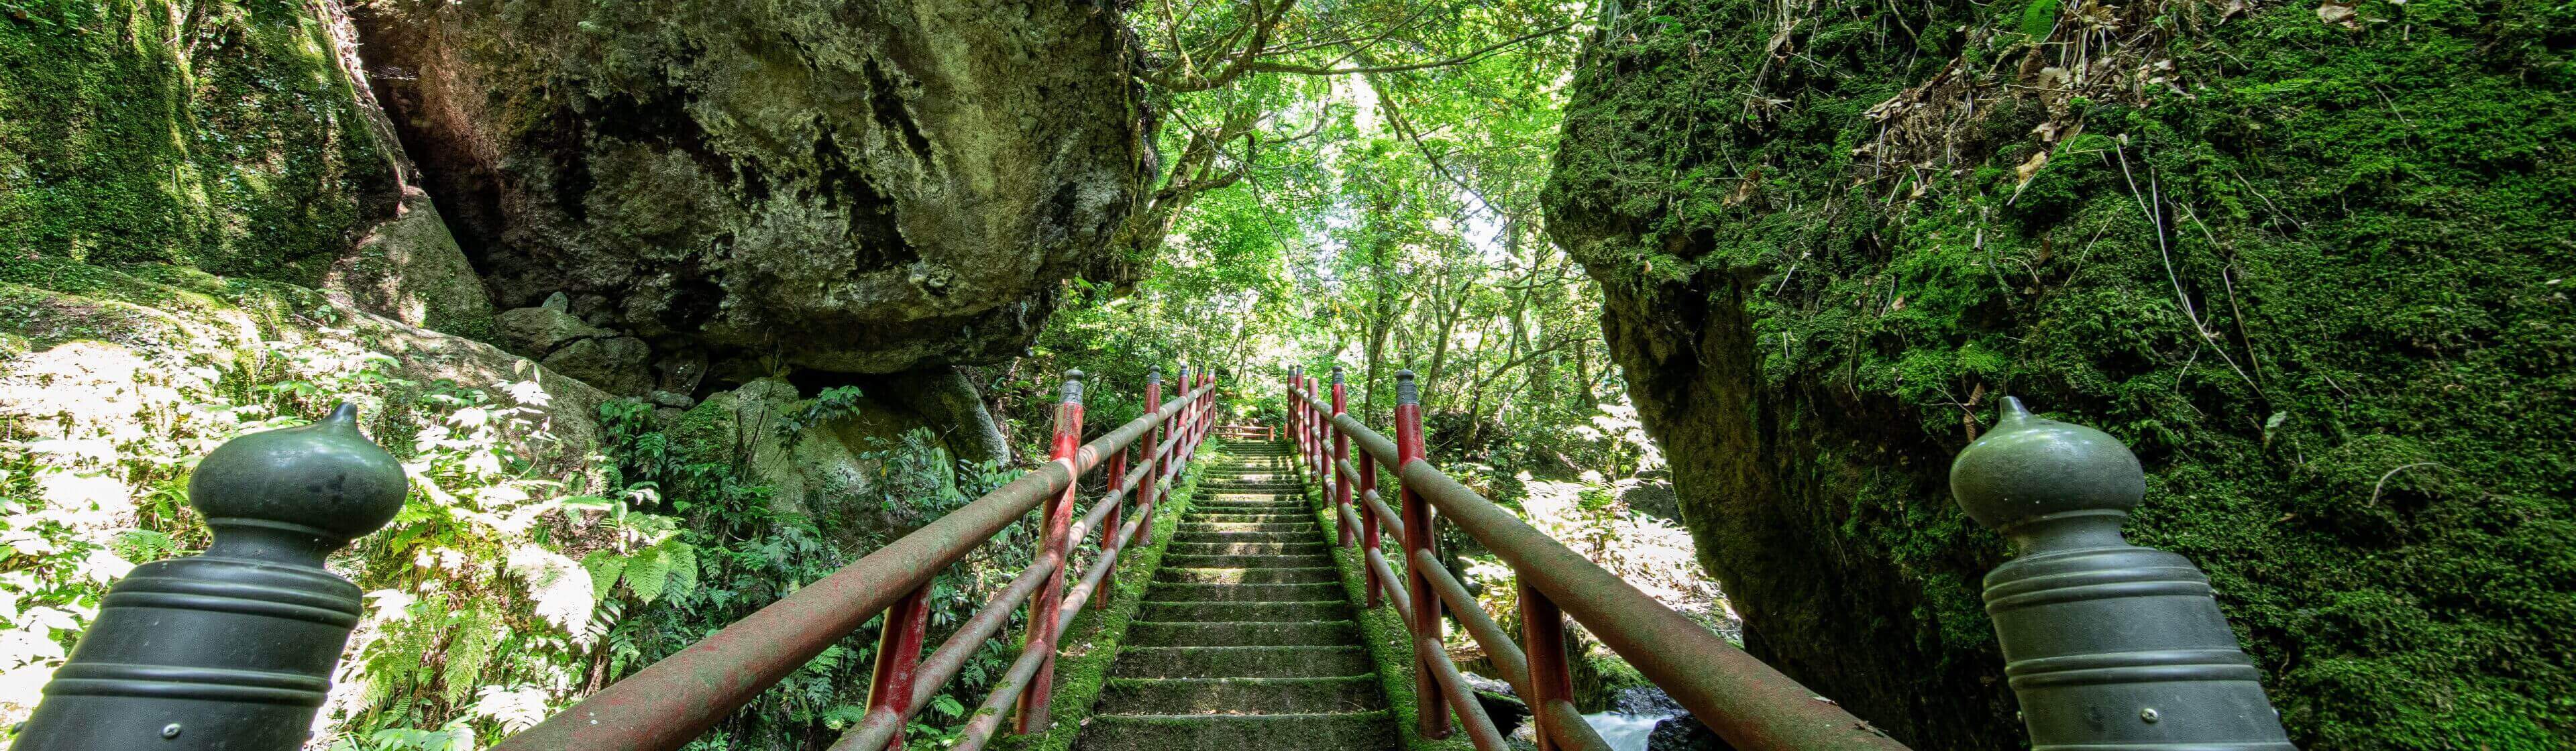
1752 706
671 702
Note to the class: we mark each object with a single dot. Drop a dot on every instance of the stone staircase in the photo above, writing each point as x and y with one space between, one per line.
1246 638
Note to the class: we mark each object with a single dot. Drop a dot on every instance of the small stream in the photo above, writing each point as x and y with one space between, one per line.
1625 732
1631 721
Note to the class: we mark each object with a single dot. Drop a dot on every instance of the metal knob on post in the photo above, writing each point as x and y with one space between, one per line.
232 649
2107 644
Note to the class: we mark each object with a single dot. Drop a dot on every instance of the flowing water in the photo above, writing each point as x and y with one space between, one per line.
1623 731
1632 720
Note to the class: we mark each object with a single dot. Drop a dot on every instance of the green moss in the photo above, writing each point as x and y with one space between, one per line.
1389 643
1080 675
2317 285
221 135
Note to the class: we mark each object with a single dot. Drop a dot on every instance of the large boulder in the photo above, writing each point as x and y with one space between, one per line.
862 188
1828 244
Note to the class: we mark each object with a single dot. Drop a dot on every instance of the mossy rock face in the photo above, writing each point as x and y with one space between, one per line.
2314 274
868 188
225 136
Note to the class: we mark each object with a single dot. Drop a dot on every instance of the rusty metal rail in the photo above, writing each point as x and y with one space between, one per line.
670 703
1746 702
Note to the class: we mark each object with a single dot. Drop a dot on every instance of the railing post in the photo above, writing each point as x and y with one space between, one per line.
1109 524
1341 453
1543 641
1207 408
1369 537
1296 417
1315 432
231 649
1147 487
898 657
1059 520
1419 538
2107 644
1181 423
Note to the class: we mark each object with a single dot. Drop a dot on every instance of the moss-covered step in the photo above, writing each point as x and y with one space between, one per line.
1245 638
1244 535
1242 633
1242 662
1224 592
1304 527
1323 610
1250 548
1262 517
1181 696
1195 560
1274 732
1281 575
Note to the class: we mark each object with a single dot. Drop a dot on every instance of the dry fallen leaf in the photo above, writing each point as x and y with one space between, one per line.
2052 77
2338 13
2029 169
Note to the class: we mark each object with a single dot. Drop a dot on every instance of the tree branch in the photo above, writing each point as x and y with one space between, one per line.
1309 70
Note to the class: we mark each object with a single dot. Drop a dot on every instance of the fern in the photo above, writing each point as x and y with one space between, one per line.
604 567
684 568
647 573
467 653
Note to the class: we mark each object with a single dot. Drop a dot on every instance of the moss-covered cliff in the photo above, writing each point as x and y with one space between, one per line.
226 135
2309 261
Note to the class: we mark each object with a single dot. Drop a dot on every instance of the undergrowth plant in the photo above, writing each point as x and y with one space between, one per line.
518 577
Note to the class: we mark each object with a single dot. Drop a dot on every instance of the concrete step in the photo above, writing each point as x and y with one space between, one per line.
1244 535
1195 592
1265 517
1248 561
1302 526
1247 548
1341 731
1297 510
1241 633
1183 696
1321 610
1242 662
1174 573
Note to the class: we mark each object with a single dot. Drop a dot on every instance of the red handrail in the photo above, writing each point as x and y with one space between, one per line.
671 702
1746 702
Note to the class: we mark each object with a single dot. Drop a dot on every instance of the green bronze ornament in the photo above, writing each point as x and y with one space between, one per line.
2108 645
232 649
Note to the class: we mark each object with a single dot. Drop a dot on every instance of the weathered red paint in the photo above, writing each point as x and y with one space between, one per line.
987 720
1341 454
1543 630
899 653
671 702
1050 600
1369 539
1747 702
1426 620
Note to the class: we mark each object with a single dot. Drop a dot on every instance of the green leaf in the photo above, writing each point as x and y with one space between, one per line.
648 573
684 568
604 568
